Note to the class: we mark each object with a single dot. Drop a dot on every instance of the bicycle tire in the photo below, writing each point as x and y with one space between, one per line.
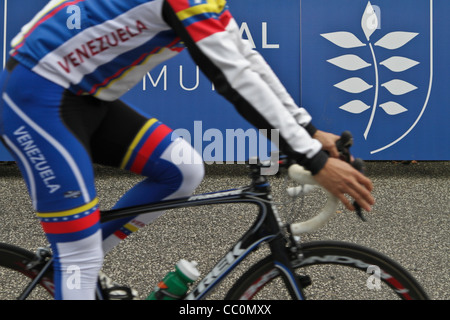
331 266
15 276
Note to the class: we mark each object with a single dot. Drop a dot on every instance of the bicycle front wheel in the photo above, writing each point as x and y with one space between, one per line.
332 270
15 275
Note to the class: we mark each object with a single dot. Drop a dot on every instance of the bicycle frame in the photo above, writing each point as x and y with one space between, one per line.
266 228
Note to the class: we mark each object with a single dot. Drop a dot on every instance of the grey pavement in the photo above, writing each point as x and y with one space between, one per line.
409 222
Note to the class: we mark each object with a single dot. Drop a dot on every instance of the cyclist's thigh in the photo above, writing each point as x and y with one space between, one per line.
120 133
131 140
55 165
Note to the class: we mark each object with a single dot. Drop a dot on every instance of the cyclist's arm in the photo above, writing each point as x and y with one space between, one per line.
301 115
260 65
214 42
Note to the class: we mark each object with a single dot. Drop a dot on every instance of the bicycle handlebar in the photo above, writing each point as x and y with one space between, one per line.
304 177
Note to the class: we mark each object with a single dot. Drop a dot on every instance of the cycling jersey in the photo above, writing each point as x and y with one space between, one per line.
119 41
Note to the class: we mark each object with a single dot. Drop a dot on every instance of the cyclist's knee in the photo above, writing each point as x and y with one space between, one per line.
189 163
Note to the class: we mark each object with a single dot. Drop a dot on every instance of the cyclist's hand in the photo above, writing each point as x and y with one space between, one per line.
328 141
340 178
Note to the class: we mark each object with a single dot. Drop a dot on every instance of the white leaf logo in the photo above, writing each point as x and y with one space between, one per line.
398 87
399 64
369 21
392 41
343 39
393 108
353 85
349 62
395 40
355 106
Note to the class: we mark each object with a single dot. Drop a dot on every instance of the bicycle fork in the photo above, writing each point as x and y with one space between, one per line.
282 262
280 251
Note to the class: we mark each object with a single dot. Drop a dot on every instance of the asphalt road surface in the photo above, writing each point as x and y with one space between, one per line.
409 222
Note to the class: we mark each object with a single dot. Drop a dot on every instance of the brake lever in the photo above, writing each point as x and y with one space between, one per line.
343 145
358 164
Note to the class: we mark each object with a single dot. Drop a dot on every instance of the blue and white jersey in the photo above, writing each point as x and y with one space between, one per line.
111 50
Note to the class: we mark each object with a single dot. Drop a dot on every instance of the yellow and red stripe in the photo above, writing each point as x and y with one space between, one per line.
70 221
149 146
202 19
143 154
125 231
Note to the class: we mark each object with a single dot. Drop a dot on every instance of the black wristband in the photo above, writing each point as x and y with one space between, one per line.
311 129
316 163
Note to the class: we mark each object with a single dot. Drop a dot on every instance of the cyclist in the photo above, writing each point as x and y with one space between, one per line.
70 116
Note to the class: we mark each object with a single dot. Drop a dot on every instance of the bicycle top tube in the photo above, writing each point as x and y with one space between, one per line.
259 186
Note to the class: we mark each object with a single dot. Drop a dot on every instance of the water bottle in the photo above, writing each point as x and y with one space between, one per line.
176 283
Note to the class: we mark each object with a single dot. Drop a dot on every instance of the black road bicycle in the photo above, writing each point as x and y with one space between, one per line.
292 270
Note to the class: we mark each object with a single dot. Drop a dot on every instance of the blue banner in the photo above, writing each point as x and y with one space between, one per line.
377 68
